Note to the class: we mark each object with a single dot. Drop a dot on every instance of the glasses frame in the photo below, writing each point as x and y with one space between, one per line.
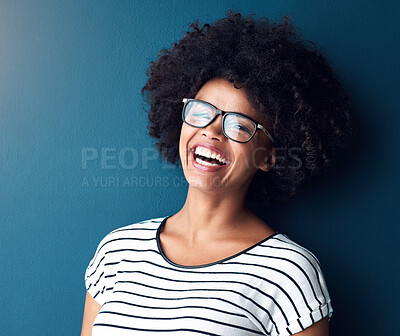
223 115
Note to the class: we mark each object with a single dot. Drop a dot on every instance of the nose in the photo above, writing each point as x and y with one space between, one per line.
214 130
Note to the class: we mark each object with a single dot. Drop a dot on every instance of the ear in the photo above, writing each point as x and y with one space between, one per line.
269 161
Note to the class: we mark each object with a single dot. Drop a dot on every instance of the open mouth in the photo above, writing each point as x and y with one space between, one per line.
208 158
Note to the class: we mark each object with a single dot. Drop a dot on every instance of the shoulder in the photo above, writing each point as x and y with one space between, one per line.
288 269
140 231
101 272
282 246
138 227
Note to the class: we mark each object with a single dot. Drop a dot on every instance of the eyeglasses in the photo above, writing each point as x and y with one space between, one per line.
235 126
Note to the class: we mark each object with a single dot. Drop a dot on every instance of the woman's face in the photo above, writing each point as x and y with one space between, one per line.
242 159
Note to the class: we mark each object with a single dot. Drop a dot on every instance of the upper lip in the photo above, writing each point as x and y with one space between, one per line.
212 148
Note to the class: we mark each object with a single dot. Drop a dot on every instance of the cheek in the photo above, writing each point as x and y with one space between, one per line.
252 156
242 154
187 133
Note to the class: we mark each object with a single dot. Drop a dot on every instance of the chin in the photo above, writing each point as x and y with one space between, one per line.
207 183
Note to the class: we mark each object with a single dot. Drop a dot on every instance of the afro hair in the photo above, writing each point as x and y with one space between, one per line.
286 79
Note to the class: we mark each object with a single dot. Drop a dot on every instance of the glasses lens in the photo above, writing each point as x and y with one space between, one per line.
238 128
198 114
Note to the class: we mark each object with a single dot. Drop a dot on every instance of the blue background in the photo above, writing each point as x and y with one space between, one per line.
70 80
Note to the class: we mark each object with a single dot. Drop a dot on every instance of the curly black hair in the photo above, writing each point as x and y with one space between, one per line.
286 79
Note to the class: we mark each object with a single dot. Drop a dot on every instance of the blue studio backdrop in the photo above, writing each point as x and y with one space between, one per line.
76 160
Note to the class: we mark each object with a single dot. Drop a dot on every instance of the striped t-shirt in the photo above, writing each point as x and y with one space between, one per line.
274 287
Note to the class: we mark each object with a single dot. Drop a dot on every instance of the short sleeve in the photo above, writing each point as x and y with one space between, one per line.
317 303
99 274
300 291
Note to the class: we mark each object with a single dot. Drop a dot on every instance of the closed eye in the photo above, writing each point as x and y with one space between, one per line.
239 127
201 115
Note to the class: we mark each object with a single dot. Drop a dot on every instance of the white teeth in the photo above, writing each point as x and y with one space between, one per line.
207 153
204 163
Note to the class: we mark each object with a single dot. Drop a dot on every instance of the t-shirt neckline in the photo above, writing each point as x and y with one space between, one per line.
209 264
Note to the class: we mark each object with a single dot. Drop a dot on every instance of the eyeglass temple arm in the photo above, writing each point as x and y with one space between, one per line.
262 128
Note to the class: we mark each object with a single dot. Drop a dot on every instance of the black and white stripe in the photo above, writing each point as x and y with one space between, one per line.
274 287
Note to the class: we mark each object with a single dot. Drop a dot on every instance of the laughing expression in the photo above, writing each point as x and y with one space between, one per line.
212 161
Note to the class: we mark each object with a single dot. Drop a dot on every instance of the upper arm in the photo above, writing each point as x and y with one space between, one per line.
92 308
320 328
98 283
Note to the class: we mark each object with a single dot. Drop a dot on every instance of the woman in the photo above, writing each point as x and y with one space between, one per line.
255 101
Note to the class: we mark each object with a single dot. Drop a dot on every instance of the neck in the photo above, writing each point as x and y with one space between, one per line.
211 214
